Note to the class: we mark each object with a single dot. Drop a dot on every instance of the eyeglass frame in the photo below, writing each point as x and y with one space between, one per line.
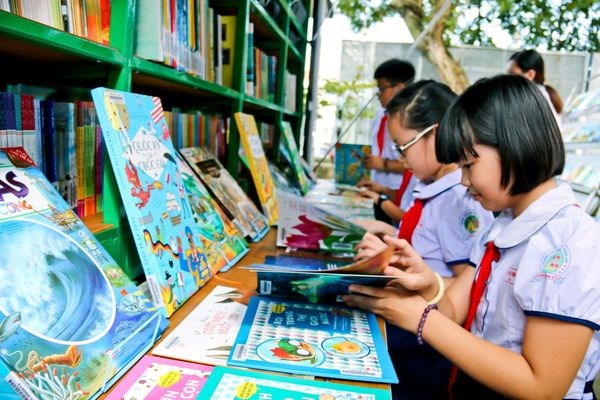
383 89
403 147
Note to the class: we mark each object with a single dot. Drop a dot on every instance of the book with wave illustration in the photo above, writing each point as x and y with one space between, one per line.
71 320
227 192
348 166
143 160
309 281
331 341
302 225
233 383
206 334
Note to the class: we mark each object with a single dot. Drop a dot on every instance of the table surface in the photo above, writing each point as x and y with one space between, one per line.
245 279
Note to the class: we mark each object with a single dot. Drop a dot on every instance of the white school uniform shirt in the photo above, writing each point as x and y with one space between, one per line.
389 179
449 222
549 266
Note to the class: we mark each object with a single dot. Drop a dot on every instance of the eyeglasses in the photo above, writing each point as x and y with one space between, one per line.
402 148
383 89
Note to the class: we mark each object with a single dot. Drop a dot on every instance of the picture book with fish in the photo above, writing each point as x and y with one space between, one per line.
289 143
206 334
303 225
316 284
348 166
226 383
257 162
155 378
160 216
227 192
71 321
222 242
330 341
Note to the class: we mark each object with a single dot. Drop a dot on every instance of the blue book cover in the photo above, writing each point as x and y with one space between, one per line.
236 384
304 262
330 341
223 243
348 162
71 320
139 146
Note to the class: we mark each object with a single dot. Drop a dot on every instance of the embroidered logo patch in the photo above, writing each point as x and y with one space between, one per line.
470 221
554 263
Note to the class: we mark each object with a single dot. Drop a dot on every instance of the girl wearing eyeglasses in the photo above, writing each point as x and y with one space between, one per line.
441 224
525 322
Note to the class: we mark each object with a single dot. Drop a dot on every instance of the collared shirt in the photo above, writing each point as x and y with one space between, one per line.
449 223
550 267
389 179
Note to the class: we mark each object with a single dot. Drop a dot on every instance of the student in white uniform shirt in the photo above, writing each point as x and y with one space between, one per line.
443 233
532 324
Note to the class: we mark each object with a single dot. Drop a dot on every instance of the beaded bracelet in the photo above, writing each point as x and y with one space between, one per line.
422 321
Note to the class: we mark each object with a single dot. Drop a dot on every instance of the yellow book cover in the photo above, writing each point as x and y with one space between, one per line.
228 47
257 162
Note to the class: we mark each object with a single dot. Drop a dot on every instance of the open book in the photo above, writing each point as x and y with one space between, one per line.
312 283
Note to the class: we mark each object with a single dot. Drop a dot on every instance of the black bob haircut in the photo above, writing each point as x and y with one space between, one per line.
510 114
421 104
396 71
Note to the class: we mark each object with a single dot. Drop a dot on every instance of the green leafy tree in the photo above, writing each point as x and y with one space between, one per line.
569 25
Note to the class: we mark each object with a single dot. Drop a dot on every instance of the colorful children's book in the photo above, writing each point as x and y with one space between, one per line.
71 320
312 339
155 378
258 166
304 261
305 226
223 244
206 335
227 192
348 162
315 284
295 159
160 215
235 384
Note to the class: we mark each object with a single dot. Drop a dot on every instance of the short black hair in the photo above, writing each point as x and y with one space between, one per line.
511 114
421 104
530 59
395 71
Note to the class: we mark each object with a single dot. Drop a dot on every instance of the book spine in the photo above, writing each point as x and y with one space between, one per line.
250 61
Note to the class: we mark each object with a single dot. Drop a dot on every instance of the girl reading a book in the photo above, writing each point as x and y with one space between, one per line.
524 323
441 224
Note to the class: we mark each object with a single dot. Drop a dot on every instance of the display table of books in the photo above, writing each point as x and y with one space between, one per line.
225 325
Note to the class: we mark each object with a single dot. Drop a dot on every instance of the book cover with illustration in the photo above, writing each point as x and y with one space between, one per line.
235 384
222 242
71 321
290 144
348 166
303 225
316 284
206 334
330 341
227 192
161 378
139 145
257 162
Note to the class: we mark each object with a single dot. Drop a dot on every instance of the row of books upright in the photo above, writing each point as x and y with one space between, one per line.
193 129
63 139
86 18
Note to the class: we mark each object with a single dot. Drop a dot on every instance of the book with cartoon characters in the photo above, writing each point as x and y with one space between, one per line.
303 225
71 321
331 341
162 223
223 243
207 333
237 384
227 192
348 166
257 162
161 378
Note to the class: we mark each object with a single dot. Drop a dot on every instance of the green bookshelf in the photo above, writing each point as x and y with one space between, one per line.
38 55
